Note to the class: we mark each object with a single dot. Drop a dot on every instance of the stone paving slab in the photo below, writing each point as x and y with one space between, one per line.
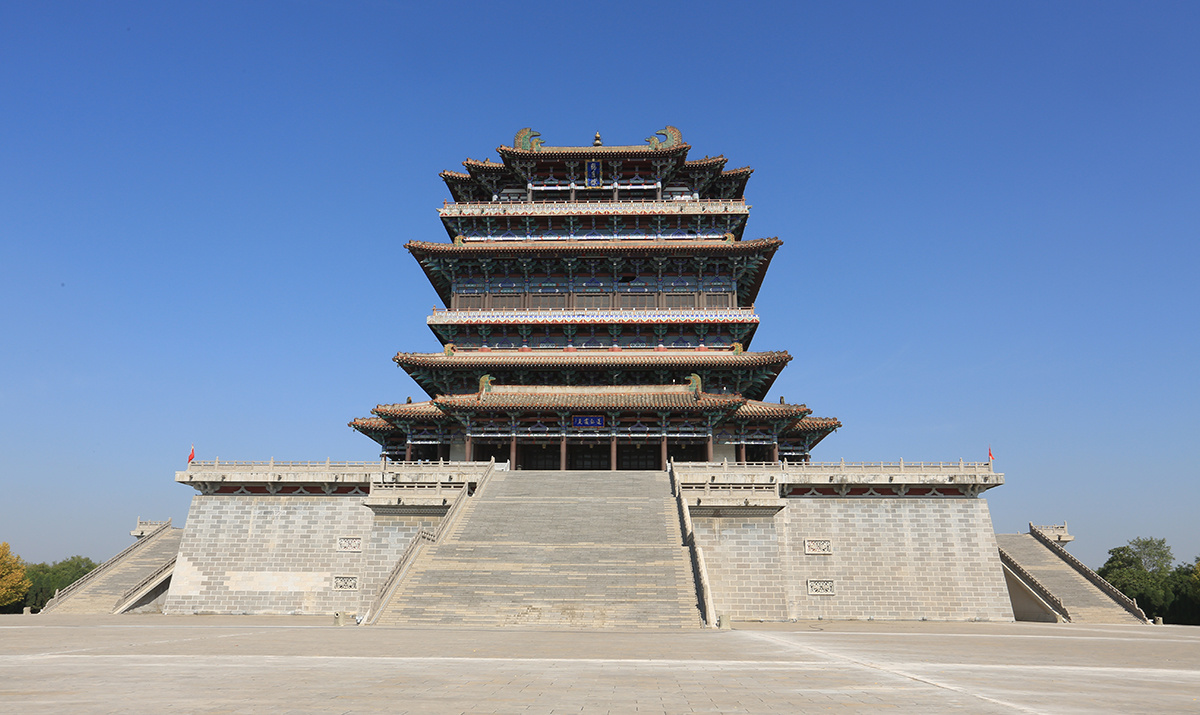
258 664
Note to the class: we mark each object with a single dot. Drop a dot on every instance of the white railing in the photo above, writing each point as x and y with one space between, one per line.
272 465
959 467
443 316
696 554
423 535
620 206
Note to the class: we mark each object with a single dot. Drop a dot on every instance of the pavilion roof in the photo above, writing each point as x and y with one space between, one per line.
756 410
427 253
665 398
409 411
814 424
373 425
639 247
624 358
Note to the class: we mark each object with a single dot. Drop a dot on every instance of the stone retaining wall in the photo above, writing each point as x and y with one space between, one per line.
854 558
286 554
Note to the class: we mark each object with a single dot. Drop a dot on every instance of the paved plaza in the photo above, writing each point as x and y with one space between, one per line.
255 664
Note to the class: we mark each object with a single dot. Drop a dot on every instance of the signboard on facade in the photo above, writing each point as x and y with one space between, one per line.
593 173
592 421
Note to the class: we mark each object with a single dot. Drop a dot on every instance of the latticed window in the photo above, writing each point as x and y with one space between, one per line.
638 300
593 300
548 300
349 543
679 300
507 302
718 300
345 583
469 302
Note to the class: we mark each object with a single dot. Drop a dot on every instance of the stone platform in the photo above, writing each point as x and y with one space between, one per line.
230 664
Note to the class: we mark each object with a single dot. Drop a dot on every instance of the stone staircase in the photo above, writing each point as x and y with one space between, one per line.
573 548
100 590
1084 601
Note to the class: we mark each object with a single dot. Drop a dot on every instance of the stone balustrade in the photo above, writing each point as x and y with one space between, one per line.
589 208
593 315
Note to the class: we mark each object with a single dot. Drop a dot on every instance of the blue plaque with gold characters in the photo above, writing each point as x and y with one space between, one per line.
587 421
593 173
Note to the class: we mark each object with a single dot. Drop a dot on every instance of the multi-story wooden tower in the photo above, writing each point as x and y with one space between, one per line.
599 307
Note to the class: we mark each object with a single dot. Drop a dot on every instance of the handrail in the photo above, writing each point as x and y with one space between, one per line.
1099 581
423 534
102 568
568 207
901 466
157 574
1036 586
699 567
233 464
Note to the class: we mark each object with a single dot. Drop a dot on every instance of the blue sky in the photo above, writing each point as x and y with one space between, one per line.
989 211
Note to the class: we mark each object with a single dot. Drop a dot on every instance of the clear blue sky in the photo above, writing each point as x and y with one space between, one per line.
990 214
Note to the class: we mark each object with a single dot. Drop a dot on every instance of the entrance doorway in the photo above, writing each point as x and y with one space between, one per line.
687 451
587 456
640 456
539 456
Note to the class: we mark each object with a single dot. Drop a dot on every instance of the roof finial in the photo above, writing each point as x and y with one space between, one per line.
597 141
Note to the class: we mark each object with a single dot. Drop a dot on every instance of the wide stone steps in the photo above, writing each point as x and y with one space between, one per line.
556 548
99 594
1085 602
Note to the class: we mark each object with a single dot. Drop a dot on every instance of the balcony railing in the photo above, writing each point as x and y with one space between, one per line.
595 208
443 316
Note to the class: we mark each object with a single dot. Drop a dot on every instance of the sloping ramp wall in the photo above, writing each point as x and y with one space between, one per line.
100 590
1072 590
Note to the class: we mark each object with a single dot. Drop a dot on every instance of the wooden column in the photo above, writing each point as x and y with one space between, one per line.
612 452
741 453
512 452
708 448
408 452
562 454
468 452
664 452
775 452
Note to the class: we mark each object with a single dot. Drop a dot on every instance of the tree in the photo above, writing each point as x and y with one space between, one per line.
13 583
1154 554
47 578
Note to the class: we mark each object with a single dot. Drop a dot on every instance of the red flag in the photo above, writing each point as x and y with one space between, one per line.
990 457
192 455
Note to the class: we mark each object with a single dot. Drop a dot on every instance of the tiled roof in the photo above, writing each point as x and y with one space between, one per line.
718 160
624 358
588 248
411 410
557 152
814 424
755 410
372 424
650 398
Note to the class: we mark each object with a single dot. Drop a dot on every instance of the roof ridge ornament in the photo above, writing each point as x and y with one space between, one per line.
672 137
597 141
527 140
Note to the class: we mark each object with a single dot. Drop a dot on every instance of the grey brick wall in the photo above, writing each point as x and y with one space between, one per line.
745 568
279 554
890 558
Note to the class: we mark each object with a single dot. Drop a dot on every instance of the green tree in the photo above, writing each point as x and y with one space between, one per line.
13 583
1185 582
47 578
1154 554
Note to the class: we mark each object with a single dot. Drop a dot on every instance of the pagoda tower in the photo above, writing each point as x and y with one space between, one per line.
598 314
